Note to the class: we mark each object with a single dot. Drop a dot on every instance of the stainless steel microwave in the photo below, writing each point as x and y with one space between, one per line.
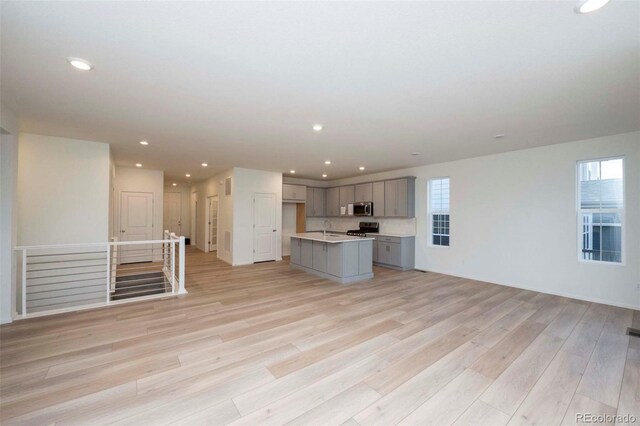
362 209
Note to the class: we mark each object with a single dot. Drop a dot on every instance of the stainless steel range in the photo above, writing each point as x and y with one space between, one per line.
365 228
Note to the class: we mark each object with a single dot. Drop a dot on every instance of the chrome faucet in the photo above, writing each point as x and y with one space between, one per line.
324 228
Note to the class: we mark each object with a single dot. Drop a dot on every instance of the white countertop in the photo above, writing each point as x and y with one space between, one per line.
330 238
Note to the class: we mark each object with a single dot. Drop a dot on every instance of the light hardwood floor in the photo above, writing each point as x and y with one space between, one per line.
265 344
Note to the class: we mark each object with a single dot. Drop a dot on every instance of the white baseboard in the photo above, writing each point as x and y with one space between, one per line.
561 294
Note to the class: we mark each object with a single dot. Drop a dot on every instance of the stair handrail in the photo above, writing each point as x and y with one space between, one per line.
110 250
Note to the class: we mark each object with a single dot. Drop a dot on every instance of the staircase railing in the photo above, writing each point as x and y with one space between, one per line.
67 277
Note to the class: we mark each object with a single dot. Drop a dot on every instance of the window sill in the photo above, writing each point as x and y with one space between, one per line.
600 262
437 246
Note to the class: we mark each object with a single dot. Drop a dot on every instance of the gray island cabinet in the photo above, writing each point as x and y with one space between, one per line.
340 258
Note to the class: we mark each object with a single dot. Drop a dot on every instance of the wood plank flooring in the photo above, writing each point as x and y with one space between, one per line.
266 344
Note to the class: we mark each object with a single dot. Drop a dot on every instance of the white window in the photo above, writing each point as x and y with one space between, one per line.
600 210
439 211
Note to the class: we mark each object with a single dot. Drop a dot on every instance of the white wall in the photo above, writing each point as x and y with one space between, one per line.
185 206
140 180
63 190
8 211
235 212
209 188
112 194
513 220
248 182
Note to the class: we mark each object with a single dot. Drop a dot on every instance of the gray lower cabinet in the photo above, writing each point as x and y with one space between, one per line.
306 253
343 262
365 257
295 250
334 260
394 252
319 256
333 202
350 259
389 253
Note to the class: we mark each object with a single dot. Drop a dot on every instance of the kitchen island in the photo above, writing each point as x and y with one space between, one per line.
341 258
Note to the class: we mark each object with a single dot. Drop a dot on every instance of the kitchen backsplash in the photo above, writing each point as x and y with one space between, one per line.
388 225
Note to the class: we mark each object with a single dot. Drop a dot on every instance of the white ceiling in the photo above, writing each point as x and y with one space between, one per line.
240 84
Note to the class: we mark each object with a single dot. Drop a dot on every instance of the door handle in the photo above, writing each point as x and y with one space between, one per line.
274 230
122 231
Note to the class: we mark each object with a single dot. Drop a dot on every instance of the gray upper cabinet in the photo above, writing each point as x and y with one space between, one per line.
347 195
315 206
378 199
364 192
309 203
399 198
333 202
391 198
319 195
294 192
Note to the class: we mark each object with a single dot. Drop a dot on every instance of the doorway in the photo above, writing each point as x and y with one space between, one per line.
136 224
173 212
212 224
194 219
265 236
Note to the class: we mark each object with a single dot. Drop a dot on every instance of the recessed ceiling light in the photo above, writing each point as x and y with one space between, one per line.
292 171
80 64
327 162
589 6
204 164
324 175
138 165
188 175
144 143
361 167
317 127
499 136
174 184
415 153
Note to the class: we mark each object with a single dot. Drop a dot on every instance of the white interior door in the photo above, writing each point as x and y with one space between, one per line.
136 224
213 223
194 218
265 236
173 212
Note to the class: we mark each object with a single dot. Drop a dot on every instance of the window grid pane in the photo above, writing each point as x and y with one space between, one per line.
601 206
439 211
